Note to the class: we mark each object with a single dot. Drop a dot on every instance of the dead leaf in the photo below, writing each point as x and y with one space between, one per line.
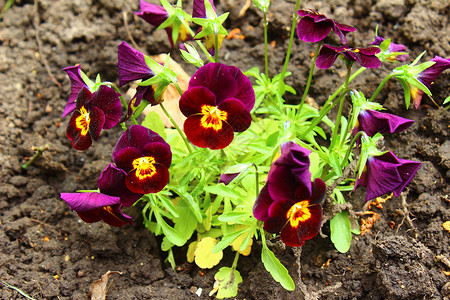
97 290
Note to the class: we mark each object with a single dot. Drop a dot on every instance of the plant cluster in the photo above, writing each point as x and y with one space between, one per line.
245 165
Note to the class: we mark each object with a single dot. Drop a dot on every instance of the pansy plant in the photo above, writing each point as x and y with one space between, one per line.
235 172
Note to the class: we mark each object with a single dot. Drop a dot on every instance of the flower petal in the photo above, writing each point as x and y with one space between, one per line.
112 182
82 202
113 216
319 191
97 121
124 158
136 136
78 134
198 10
131 64
372 122
194 98
310 31
238 117
76 84
407 170
281 183
152 13
262 204
106 99
217 78
326 57
306 230
245 92
207 137
160 152
146 183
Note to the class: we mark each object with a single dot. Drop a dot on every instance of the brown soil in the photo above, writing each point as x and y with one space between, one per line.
48 253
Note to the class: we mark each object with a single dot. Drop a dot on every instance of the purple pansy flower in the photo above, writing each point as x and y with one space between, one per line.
427 77
94 112
76 84
386 173
156 15
217 104
132 66
392 48
106 205
289 203
145 157
372 122
199 10
314 27
364 56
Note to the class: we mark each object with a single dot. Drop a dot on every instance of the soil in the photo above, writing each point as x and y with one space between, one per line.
48 253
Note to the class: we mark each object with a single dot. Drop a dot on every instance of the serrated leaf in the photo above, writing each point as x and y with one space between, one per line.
276 269
341 234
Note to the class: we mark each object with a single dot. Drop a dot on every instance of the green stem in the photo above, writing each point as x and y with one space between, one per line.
375 94
39 151
188 146
325 109
178 88
235 261
256 179
335 135
291 40
308 83
350 148
266 52
138 111
216 46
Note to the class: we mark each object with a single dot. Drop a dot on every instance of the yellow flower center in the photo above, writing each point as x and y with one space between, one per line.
213 117
82 122
299 212
144 166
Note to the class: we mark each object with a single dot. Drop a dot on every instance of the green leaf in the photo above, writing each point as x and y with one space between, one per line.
223 190
191 202
335 163
86 80
227 240
276 269
234 216
341 234
447 100
153 122
174 236
227 282
186 223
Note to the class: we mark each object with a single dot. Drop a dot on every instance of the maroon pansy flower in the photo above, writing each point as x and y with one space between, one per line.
132 66
145 157
76 84
94 112
106 205
289 203
217 104
427 77
372 122
386 173
364 56
392 48
314 27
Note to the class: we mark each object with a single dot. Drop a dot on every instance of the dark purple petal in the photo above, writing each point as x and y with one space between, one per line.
131 64
262 204
244 92
297 230
84 97
372 122
237 115
97 121
112 182
77 131
152 13
281 183
76 84
124 158
430 74
136 136
200 133
106 99
341 30
407 170
366 56
198 10
227 178
81 202
319 191
147 180
386 173
113 216
160 152
327 56
310 31
217 78
297 159
192 100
